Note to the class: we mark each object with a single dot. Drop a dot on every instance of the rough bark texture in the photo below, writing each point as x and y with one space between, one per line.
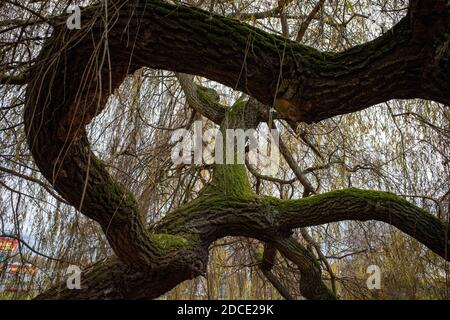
77 71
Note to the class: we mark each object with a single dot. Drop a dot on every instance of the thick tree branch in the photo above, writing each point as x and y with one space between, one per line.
364 205
315 85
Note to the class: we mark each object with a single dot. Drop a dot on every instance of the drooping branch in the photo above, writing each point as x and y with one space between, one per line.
34 180
264 14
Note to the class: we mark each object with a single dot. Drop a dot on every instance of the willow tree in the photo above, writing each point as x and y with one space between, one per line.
76 71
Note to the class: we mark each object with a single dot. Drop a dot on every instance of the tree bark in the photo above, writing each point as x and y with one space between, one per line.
77 71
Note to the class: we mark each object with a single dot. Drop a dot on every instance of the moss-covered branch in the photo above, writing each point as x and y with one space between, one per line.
314 85
364 205
203 100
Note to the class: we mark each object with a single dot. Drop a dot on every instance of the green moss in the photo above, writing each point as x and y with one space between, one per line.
211 199
373 197
231 179
104 186
259 254
207 94
166 242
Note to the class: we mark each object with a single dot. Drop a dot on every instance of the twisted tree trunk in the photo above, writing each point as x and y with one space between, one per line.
77 71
